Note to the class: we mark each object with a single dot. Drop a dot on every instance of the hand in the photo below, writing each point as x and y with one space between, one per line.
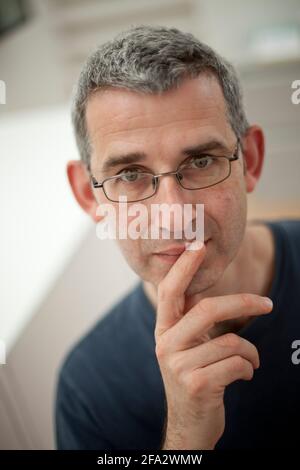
195 367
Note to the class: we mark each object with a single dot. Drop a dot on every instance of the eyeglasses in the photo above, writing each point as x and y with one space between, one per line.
198 172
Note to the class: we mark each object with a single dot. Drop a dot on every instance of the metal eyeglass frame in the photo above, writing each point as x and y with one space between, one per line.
156 177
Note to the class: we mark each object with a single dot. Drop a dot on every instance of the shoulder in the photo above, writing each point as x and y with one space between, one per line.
100 344
292 229
287 231
100 373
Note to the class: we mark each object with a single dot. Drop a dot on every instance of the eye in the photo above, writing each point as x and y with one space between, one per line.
202 162
130 175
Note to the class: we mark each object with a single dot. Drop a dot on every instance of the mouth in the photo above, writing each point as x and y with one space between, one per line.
171 254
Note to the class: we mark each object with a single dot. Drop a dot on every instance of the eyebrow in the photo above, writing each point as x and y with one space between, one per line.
135 157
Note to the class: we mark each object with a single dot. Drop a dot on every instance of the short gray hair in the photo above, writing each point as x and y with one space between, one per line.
152 59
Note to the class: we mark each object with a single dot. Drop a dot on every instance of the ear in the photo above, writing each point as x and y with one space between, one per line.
253 154
80 183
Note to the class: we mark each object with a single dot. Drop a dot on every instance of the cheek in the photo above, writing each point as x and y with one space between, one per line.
133 253
226 212
228 205
225 221
130 249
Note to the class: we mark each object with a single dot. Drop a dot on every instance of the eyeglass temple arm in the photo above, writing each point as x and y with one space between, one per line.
93 179
235 156
95 182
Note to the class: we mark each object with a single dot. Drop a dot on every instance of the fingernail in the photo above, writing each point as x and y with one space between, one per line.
267 301
195 245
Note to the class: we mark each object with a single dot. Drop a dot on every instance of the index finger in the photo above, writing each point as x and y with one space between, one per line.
171 290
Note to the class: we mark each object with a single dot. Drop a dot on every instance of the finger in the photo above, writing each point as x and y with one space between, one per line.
194 325
216 350
171 290
220 374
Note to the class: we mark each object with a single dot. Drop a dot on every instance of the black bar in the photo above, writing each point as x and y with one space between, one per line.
142 459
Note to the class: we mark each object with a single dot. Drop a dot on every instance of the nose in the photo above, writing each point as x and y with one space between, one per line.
169 190
170 193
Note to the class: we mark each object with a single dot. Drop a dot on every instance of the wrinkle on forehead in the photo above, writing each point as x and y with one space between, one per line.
117 113
120 104
153 120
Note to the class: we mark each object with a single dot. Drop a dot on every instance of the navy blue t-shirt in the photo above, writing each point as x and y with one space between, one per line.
110 392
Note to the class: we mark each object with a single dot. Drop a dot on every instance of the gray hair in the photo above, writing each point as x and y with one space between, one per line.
152 59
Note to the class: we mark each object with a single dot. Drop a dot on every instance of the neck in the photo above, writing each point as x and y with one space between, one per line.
252 270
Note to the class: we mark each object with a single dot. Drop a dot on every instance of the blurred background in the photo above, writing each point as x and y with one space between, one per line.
57 277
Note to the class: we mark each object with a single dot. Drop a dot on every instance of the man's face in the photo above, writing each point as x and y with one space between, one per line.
161 126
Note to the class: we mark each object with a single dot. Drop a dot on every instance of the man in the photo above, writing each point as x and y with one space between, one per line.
196 356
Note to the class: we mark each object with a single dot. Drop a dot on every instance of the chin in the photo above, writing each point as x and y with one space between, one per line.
207 276
201 282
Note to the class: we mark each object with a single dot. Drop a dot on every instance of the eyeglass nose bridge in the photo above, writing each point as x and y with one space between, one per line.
166 173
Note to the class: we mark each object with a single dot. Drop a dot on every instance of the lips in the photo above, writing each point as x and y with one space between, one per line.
175 250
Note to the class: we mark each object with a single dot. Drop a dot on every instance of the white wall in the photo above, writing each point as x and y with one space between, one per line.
41 225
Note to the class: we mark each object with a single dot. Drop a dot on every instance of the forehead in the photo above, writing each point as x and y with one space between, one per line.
121 115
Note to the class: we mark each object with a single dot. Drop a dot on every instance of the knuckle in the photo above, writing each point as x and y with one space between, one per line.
249 373
160 350
238 364
256 353
247 300
252 347
176 364
246 372
196 385
206 304
229 340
